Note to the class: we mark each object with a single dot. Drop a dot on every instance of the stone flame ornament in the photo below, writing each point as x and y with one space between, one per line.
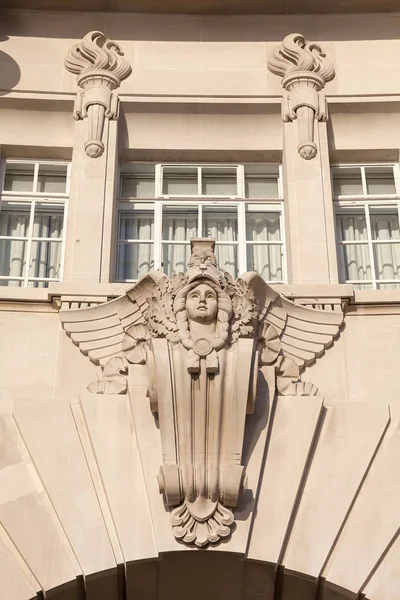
101 67
305 70
201 339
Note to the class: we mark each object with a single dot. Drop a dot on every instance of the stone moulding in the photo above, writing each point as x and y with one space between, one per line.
199 340
101 67
304 69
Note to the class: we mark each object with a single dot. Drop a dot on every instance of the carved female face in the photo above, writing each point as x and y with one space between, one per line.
202 304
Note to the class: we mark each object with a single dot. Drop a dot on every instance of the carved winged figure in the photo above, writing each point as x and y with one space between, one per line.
202 339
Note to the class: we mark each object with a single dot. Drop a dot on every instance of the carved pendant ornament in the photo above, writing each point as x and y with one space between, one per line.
101 67
202 339
304 69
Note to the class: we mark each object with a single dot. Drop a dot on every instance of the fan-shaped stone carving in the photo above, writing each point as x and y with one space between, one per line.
201 339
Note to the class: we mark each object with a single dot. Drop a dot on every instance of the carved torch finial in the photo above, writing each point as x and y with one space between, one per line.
101 67
304 69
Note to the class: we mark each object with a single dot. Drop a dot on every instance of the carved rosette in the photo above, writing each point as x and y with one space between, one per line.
198 342
304 69
101 67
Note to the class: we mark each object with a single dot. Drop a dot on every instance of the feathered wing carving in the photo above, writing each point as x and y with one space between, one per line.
299 335
103 333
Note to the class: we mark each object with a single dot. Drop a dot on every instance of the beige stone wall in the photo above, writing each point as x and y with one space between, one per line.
78 483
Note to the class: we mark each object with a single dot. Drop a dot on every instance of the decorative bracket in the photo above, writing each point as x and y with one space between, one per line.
198 341
101 68
304 70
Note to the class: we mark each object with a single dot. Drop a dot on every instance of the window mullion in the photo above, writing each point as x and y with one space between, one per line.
283 238
35 178
364 181
157 235
199 181
158 181
370 246
200 221
242 250
29 243
240 188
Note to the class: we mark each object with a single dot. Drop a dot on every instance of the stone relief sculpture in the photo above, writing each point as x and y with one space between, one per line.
304 69
202 339
101 67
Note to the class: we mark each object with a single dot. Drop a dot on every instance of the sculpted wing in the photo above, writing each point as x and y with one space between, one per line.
305 333
99 330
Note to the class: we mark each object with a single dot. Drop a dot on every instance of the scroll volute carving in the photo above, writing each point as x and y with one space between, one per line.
101 67
202 339
304 69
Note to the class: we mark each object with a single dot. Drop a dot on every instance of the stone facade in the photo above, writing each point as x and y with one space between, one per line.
80 510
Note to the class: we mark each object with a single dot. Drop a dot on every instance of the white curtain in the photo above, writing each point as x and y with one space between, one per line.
135 259
177 227
12 252
264 257
223 228
355 262
45 255
355 258
386 255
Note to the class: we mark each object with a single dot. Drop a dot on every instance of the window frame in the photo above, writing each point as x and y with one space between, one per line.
200 201
31 200
350 204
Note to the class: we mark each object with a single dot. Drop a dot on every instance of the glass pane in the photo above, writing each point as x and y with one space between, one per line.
384 225
52 179
10 283
19 177
261 182
262 226
220 224
388 286
363 286
180 181
354 262
48 222
227 258
175 258
219 182
136 225
387 261
134 260
179 223
267 260
137 187
380 180
351 227
38 284
12 257
45 260
347 182
14 220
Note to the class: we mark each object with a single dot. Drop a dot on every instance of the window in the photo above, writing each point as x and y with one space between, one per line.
367 200
32 207
161 207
